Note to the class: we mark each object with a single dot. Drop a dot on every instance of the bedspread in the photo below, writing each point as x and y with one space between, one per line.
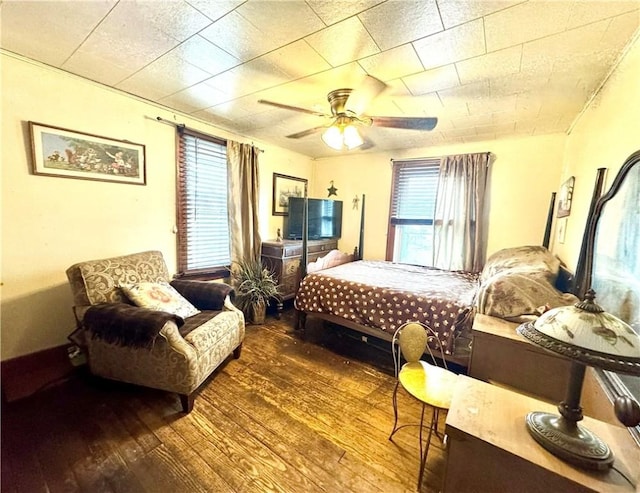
385 295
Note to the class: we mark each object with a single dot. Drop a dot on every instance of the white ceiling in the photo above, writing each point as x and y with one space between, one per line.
487 69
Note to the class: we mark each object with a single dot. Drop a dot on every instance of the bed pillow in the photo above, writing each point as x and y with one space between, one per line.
522 259
159 296
512 295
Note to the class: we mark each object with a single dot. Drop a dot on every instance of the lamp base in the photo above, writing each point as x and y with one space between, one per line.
569 441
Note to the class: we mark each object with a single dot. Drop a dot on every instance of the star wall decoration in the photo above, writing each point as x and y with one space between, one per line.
332 190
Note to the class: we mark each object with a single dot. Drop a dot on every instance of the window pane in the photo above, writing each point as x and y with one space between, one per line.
414 245
204 227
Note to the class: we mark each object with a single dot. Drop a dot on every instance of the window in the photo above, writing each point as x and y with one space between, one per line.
413 199
203 227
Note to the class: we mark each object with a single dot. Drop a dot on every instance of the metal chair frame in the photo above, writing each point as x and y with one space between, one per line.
435 411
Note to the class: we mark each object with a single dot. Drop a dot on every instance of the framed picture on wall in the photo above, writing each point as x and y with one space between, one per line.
566 194
284 187
70 154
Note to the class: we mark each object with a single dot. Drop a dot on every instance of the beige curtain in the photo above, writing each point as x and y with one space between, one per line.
242 163
459 222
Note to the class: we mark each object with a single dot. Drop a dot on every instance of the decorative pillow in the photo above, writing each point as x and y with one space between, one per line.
159 296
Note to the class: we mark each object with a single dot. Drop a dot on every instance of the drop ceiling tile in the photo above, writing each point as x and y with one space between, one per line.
195 98
427 105
398 22
127 38
452 45
217 9
620 30
281 21
177 18
60 27
463 94
493 65
455 12
338 10
393 64
166 75
432 80
238 37
517 83
541 55
343 42
94 67
588 11
486 106
525 22
296 60
205 55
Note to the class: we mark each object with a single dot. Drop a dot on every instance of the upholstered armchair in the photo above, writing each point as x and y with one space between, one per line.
139 326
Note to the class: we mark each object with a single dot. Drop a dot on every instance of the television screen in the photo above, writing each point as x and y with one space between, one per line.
325 218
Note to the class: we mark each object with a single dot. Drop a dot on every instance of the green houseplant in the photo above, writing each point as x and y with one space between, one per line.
255 287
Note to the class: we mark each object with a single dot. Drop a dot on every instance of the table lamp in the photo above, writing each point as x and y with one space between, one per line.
587 335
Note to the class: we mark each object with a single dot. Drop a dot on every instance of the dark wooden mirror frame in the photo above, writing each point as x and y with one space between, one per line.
612 383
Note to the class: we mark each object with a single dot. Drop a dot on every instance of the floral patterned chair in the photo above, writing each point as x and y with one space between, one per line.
139 326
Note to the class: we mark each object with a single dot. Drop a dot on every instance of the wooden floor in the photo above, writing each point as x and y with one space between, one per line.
293 414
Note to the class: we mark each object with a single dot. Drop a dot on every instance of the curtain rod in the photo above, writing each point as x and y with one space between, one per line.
182 126
437 157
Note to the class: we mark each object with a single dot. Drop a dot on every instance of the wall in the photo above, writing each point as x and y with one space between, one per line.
49 223
607 132
524 173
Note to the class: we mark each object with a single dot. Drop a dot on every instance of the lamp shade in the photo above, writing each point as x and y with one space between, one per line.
333 137
352 137
586 333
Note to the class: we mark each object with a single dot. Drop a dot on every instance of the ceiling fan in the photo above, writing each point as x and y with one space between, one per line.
347 113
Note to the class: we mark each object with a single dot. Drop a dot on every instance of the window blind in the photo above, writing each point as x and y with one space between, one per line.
203 226
413 195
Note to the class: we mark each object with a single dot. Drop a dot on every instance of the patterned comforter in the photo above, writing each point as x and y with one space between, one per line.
385 295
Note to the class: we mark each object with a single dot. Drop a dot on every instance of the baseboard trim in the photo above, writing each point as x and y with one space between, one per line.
25 375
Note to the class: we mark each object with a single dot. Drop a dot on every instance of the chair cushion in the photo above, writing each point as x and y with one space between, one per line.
159 296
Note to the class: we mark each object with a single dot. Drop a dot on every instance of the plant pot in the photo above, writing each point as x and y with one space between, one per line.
258 312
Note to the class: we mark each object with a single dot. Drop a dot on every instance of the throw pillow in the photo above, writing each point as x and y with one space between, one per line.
159 296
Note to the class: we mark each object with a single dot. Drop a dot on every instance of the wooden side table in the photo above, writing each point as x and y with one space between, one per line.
490 449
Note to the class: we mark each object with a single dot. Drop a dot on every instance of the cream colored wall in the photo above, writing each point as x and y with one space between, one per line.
524 173
49 223
606 133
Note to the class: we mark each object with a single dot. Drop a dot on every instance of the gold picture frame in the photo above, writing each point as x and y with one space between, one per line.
69 154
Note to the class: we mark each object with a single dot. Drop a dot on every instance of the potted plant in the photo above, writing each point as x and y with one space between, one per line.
255 287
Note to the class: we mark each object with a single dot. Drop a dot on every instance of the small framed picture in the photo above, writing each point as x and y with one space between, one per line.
70 154
566 194
284 187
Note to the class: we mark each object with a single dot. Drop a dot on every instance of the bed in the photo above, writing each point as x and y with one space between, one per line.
376 297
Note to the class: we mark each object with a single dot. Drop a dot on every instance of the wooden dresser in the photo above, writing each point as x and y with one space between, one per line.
284 257
500 355
490 449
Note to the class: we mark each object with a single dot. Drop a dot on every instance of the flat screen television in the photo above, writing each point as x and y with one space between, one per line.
325 218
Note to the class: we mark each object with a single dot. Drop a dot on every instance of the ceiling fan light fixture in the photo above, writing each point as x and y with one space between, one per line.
352 138
341 135
333 137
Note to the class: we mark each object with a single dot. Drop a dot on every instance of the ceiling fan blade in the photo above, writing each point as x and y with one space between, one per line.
409 123
292 108
361 96
304 133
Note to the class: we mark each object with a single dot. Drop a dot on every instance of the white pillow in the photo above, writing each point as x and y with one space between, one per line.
159 296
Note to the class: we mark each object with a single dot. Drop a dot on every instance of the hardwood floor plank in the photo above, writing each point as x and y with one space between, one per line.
291 415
